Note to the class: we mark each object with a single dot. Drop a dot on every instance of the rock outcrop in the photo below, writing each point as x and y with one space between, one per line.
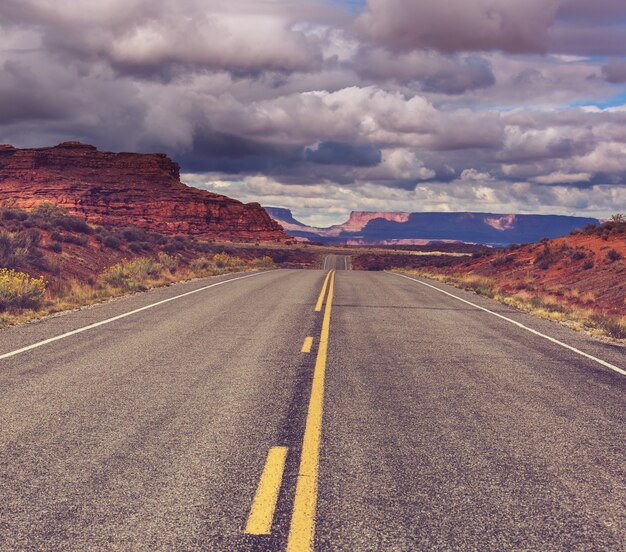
142 190
382 228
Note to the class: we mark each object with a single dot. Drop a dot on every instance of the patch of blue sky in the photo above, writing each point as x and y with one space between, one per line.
616 100
354 6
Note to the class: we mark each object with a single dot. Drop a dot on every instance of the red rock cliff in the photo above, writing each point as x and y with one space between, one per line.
142 190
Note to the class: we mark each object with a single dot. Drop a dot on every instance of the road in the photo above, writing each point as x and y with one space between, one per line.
416 421
336 262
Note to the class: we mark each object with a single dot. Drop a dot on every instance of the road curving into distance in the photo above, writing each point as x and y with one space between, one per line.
298 410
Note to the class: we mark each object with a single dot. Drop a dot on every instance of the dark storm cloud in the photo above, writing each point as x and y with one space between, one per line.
342 153
229 153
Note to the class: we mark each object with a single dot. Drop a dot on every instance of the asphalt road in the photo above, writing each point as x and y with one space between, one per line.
415 422
336 262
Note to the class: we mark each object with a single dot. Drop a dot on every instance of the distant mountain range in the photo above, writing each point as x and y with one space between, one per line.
374 228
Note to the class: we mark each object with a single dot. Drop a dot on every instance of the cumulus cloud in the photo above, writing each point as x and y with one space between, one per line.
409 105
458 25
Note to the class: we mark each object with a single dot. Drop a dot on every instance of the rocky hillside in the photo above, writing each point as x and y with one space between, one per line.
122 189
372 228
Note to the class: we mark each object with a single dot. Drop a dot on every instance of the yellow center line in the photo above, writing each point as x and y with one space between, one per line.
320 299
302 530
264 504
306 346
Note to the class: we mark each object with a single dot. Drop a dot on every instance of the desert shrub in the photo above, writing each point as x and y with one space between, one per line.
55 246
588 265
13 213
612 327
565 247
133 235
19 290
168 262
132 274
20 248
72 238
543 265
265 262
47 210
135 247
502 260
224 260
613 255
73 224
173 247
590 228
48 214
202 247
538 302
578 255
111 241
200 265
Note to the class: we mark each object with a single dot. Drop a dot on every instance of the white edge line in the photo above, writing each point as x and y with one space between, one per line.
520 325
124 315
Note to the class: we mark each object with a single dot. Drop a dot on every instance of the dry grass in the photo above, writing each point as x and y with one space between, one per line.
30 299
550 307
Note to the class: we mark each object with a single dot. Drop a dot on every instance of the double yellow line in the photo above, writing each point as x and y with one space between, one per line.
302 529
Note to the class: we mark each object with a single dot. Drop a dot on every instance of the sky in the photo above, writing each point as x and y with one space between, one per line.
328 106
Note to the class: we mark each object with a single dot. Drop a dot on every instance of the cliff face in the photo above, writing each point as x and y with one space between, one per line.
371 228
142 190
359 219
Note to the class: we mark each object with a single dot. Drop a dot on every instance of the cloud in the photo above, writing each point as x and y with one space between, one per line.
615 71
343 153
457 25
431 71
438 104
163 38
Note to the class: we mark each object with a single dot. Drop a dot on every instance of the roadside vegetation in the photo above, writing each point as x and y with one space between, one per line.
51 261
551 307
577 280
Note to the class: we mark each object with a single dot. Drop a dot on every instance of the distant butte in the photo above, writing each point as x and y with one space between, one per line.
127 189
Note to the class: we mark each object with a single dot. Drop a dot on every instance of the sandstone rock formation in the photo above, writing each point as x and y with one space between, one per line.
122 189
386 228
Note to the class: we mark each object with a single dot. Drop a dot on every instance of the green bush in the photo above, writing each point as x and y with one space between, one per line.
132 275
19 290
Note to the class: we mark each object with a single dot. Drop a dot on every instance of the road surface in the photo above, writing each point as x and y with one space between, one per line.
336 262
417 421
